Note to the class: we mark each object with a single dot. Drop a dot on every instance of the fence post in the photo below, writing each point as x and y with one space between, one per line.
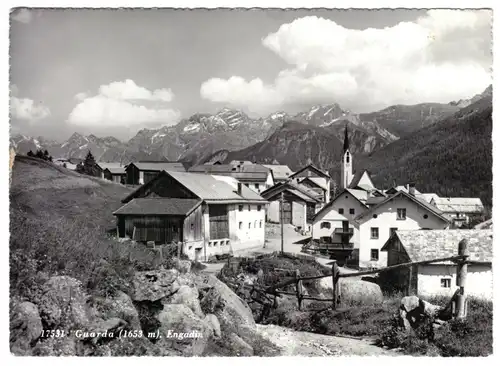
298 288
335 278
462 279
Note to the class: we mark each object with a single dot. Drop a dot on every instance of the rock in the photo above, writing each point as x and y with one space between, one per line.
182 330
188 296
233 313
154 285
108 327
121 306
65 346
414 311
63 303
213 322
238 346
183 266
25 327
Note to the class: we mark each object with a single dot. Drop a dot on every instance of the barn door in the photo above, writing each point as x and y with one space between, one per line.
287 212
219 223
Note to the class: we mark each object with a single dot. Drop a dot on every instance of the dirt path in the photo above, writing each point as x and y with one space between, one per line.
295 343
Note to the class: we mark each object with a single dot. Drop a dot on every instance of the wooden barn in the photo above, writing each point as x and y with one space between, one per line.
114 172
405 246
142 172
209 215
300 204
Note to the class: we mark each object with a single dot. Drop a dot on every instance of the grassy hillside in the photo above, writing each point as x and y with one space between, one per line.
59 221
451 158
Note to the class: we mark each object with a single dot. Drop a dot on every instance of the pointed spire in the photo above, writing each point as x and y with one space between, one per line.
346 139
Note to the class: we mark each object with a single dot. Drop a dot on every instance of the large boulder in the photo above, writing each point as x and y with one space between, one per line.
25 327
64 346
182 330
188 296
183 266
155 285
233 313
63 304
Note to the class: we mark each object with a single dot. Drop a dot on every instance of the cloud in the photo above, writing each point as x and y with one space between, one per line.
22 15
26 109
442 56
124 104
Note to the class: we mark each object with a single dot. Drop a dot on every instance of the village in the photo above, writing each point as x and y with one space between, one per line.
214 211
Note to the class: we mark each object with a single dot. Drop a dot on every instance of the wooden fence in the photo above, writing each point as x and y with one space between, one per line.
460 298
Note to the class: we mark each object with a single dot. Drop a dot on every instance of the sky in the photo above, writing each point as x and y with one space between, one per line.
114 72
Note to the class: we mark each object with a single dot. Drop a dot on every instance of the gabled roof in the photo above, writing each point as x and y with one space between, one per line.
318 181
400 188
458 204
244 172
361 195
299 191
312 167
110 166
436 212
158 166
329 204
280 172
159 206
355 180
211 189
423 245
116 170
374 200
427 196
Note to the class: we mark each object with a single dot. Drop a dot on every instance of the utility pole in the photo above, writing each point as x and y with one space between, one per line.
281 209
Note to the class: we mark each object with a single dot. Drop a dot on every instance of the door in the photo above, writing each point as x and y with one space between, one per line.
287 212
197 254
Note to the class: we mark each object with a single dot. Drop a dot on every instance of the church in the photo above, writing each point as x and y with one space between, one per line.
356 223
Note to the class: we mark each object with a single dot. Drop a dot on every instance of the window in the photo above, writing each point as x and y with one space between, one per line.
240 225
446 282
240 207
392 230
347 157
374 255
257 186
325 225
341 211
249 208
259 207
401 213
246 184
426 216
249 225
375 216
260 224
374 233
351 211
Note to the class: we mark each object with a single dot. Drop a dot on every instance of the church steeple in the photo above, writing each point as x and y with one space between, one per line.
346 167
346 140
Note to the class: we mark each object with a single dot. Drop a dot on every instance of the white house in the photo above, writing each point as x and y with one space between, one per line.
255 176
401 211
281 173
459 210
339 214
440 278
229 218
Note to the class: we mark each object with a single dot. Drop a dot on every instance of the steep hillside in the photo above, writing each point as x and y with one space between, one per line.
451 158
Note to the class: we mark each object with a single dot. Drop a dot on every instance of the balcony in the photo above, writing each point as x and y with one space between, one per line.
343 231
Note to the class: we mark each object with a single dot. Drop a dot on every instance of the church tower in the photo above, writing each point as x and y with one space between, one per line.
346 166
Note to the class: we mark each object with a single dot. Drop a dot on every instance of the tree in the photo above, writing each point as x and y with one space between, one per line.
39 154
30 153
88 166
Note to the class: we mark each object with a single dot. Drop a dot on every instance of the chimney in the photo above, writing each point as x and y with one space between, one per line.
411 188
239 188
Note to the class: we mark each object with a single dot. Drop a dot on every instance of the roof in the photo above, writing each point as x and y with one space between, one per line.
402 188
312 167
375 200
210 188
352 192
459 204
250 172
427 196
105 165
280 172
423 245
301 192
355 180
359 194
434 210
319 181
159 166
240 162
346 139
159 206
